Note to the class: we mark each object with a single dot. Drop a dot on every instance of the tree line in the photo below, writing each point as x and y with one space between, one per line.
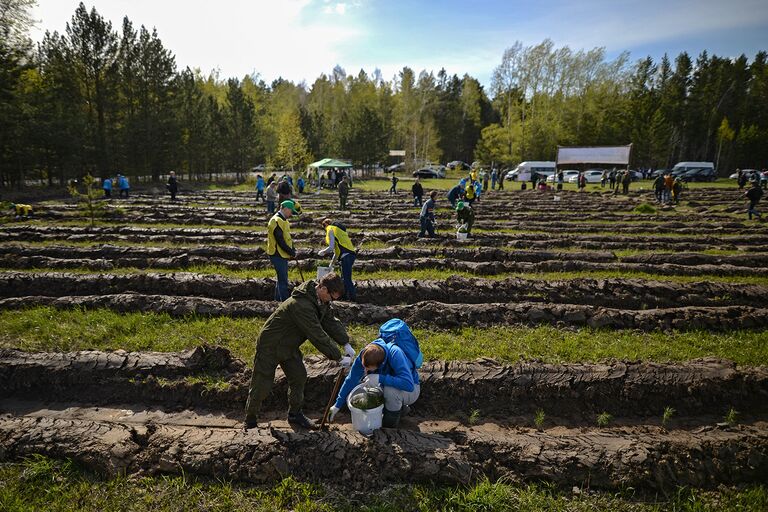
100 100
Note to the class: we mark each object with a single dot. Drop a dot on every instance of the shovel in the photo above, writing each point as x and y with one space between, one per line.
336 387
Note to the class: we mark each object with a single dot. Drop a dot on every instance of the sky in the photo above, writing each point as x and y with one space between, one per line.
300 39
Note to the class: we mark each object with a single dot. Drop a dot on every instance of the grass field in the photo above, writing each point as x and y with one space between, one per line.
40 483
47 329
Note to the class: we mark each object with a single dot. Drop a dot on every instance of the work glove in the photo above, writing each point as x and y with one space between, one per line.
345 362
372 379
324 252
332 413
349 350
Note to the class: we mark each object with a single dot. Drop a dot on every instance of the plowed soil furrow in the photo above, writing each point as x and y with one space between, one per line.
431 314
573 392
624 293
444 453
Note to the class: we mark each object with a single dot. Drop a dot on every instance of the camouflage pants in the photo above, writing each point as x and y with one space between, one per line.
263 378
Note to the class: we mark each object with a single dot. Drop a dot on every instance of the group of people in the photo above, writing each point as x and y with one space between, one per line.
667 188
123 186
274 191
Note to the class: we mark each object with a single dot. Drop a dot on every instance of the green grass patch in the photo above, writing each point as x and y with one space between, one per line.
644 208
40 483
47 329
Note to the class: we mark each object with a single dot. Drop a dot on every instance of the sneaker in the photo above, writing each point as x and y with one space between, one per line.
249 424
300 420
405 411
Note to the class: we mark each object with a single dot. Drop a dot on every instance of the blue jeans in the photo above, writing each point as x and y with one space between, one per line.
346 274
427 226
281 267
270 207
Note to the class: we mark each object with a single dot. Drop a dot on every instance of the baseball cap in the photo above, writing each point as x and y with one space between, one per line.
460 205
294 206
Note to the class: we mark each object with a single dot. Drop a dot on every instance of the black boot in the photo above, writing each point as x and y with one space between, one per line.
249 423
391 419
300 420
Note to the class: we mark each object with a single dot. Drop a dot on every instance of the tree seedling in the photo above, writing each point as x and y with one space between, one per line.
538 420
604 419
474 416
732 417
89 199
668 413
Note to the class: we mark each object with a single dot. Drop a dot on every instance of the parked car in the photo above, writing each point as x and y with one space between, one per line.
636 175
592 175
566 176
458 164
429 172
659 172
396 167
749 173
260 168
699 175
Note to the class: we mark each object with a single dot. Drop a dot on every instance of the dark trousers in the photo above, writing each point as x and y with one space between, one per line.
417 201
259 195
343 202
270 207
427 226
752 210
264 375
281 268
108 193
346 275
124 192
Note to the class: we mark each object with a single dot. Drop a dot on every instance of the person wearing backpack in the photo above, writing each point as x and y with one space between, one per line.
391 362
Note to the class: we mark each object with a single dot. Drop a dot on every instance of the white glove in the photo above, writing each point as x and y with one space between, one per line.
332 413
324 252
349 350
372 379
345 362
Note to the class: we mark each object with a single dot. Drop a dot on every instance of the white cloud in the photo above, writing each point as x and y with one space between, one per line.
273 38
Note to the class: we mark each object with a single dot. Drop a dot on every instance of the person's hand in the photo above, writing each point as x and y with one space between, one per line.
332 413
372 379
349 350
324 252
345 362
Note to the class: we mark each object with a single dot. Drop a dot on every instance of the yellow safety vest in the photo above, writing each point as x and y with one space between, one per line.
470 190
23 209
342 239
272 246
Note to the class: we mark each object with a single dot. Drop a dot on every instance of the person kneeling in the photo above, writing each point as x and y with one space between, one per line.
386 365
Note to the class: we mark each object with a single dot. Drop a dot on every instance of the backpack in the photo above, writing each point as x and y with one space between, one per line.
397 332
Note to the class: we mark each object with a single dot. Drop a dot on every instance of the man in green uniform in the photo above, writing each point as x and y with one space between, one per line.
465 215
306 315
280 245
343 193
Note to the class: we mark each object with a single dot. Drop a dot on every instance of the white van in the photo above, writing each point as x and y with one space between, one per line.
683 167
523 171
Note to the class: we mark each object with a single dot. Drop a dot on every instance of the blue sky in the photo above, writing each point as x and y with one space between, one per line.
299 39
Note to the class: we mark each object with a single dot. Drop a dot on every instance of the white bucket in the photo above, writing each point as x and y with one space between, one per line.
321 271
364 421
555 198
461 236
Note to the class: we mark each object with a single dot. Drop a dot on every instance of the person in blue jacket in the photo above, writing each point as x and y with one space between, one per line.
457 193
386 365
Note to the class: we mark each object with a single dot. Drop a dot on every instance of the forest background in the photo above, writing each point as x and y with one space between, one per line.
101 100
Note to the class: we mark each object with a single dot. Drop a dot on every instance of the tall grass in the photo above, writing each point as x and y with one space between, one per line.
47 329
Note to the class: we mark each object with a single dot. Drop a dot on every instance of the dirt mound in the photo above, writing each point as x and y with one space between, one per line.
624 293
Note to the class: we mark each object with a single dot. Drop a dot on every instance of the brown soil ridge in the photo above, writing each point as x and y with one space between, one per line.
430 314
576 391
624 293
611 458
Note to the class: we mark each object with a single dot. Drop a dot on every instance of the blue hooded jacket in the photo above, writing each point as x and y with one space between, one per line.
395 371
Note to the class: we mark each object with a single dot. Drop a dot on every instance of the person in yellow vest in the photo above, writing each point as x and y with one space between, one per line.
470 193
343 250
280 245
23 211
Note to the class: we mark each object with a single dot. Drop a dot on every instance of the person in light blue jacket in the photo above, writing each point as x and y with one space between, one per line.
386 365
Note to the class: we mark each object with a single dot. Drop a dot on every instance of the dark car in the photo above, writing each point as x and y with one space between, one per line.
699 175
458 164
428 172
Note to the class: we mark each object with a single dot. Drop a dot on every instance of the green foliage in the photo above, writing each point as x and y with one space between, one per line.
474 416
604 419
732 417
644 208
539 419
668 413
89 200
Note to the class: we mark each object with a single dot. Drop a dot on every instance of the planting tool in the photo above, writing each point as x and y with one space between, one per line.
298 265
336 387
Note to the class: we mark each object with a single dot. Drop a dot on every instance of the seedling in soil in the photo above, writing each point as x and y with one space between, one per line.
474 417
538 420
644 208
604 419
668 413
732 417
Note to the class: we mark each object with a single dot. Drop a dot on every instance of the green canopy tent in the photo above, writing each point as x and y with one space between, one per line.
330 163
